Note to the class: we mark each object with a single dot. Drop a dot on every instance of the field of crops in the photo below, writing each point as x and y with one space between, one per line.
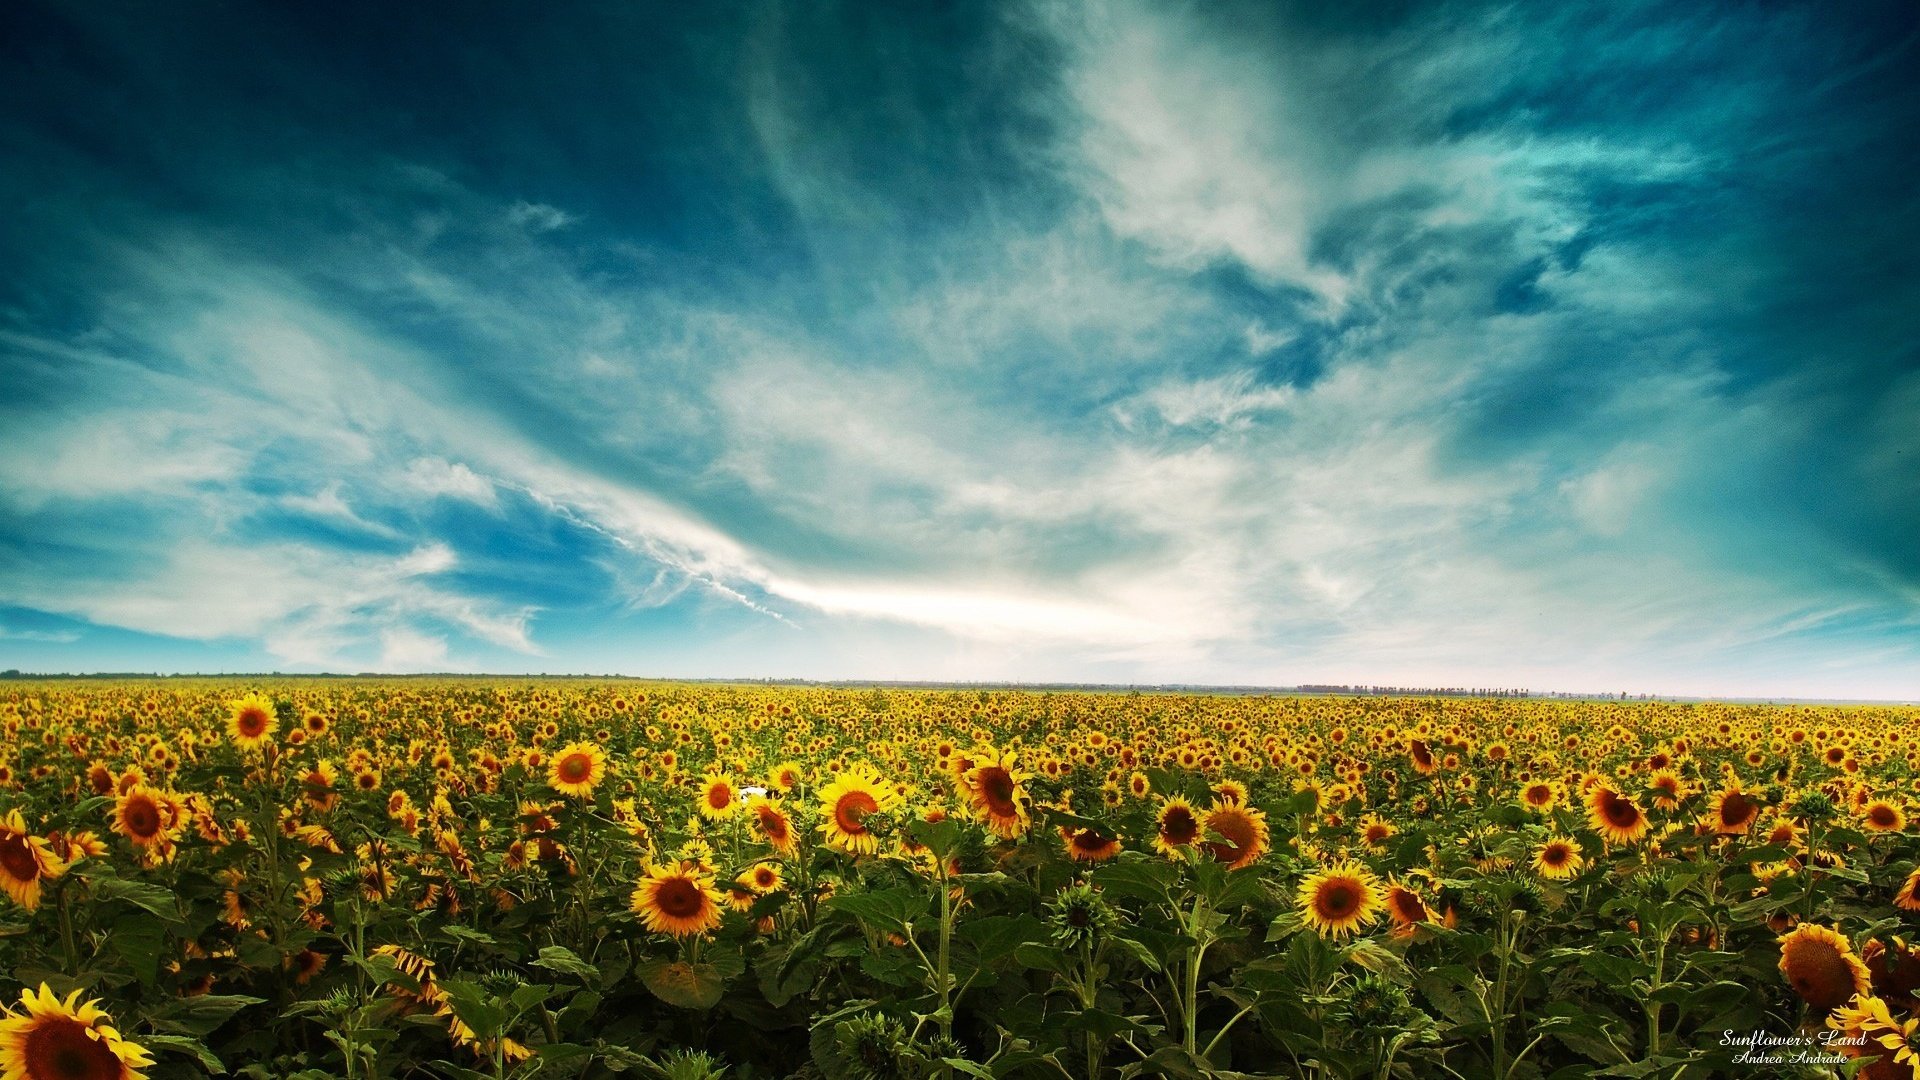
513 878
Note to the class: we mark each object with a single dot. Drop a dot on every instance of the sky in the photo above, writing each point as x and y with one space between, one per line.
1540 346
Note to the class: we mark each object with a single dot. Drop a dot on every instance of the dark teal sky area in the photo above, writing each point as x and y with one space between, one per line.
1554 346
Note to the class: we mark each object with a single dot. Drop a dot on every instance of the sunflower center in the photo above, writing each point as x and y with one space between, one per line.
996 787
678 897
1179 827
1338 898
142 817
1619 812
719 796
850 812
575 768
252 722
774 825
58 1048
17 858
1737 809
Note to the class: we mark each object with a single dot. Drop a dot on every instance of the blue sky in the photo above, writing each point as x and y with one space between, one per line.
1420 344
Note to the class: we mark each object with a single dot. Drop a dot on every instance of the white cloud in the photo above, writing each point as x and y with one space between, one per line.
437 476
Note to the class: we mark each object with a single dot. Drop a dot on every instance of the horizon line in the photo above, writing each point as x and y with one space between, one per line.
1289 690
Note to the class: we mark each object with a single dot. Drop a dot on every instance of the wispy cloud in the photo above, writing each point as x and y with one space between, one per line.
1185 343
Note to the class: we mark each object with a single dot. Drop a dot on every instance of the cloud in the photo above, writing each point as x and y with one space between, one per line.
437 476
1194 343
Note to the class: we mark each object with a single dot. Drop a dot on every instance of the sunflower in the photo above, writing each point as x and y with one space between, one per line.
251 721
1375 831
1089 845
1558 858
773 824
1879 815
577 769
1540 795
994 792
1407 909
1243 833
854 794
677 901
25 861
763 877
1873 1029
1339 899
785 777
1618 819
1820 966
1894 967
718 800
1733 811
55 1039
1423 761
1177 826
143 816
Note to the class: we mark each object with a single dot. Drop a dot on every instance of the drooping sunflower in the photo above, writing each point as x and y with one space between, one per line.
995 793
845 805
1177 826
1880 815
142 815
1894 967
1340 899
1618 819
1908 898
25 861
1559 858
1821 967
251 721
577 769
1733 811
1089 845
773 824
718 799
1407 908
61 1039
678 901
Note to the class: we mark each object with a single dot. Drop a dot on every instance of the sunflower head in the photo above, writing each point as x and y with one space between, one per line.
677 900
1242 831
577 769
1821 967
25 861
252 721
1079 915
50 1037
1176 826
1338 900
847 807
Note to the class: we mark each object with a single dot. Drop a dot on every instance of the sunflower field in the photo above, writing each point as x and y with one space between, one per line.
515 878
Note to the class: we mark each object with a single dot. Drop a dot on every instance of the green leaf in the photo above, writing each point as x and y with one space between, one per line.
181 1044
995 937
566 962
139 941
202 1015
690 986
153 899
886 910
